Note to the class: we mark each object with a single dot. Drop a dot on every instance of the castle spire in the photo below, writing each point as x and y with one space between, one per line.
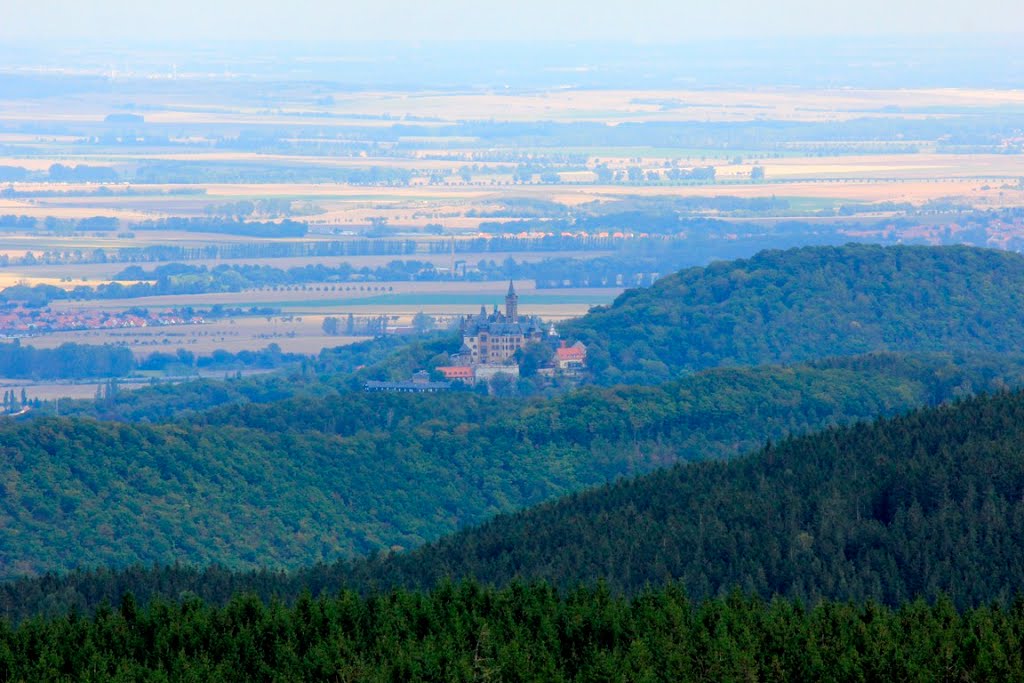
512 304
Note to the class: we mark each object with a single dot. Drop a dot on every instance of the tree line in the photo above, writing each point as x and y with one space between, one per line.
67 361
526 632
90 361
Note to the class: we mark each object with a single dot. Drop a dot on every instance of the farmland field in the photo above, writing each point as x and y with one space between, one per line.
404 299
296 325
302 335
69 389
983 182
112 178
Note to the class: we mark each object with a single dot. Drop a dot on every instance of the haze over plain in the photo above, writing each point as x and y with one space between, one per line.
404 20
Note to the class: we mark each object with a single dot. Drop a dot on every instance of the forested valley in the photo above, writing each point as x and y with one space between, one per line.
304 479
796 446
925 504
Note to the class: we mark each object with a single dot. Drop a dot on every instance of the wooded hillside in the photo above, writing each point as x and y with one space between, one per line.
922 504
800 304
343 478
301 480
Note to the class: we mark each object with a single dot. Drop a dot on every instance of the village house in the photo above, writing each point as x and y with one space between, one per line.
571 359
462 373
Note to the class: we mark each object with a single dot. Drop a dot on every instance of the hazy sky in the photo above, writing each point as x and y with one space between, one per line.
634 20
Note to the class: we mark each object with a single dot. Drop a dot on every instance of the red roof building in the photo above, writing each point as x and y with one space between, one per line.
571 357
457 372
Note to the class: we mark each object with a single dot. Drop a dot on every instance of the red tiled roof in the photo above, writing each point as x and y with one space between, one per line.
578 352
456 371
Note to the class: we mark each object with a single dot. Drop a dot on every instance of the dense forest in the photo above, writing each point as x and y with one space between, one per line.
922 504
799 304
927 504
528 632
302 480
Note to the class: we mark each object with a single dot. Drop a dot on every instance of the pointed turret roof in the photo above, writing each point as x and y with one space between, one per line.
511 289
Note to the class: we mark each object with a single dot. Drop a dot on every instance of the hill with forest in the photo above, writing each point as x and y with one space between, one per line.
349 476
305 479
295 469
812 302
777 307
924 504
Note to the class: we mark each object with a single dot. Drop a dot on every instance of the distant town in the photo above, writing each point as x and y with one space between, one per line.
20 320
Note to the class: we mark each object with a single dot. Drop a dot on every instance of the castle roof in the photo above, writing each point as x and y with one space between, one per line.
499 326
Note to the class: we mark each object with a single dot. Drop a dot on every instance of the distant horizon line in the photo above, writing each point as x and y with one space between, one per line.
77 42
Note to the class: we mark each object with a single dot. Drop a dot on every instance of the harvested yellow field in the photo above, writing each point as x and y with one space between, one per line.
301 312
43 163
292 334
71 389
41 209
29 163
357 293
352 108
666 105
891 166
894 190
11 278
48 391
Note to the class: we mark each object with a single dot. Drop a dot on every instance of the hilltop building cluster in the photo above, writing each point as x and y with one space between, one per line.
491 344
494 339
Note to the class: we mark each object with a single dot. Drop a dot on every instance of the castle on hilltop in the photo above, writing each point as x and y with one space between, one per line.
494 339
490 342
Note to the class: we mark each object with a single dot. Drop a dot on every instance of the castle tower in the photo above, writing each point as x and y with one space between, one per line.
512 304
